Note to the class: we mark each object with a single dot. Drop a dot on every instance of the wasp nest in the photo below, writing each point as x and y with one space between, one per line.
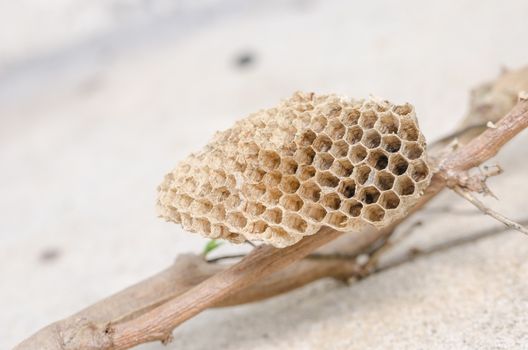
282 173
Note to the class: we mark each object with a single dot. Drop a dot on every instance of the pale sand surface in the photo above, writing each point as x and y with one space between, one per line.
91 117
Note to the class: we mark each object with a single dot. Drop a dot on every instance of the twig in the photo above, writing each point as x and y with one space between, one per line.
488 211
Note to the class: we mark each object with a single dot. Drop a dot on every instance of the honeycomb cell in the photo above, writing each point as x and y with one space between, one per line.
323 161
310 190
339 149
336 219
371 139
408 130
327 179
291 202
350 117
342 168
362 174
304 155
331 201
306 172
322 143
288 166
397 164
354 134
412 150
295 222
389 200
273 215
384 180
352 207
369 195
419 170
270 160
289 184
314 160
335 129
378 159
391 143
307 138
404 186
368 119
373 213
347 188
388 124
357 153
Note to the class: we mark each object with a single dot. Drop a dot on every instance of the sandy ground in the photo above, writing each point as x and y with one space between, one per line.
92 115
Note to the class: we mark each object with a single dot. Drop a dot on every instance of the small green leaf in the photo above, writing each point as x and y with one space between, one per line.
210 246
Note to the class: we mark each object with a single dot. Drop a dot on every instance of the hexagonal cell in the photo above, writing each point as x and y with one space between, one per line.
404 186
339 149
378 159
306 172
218 213
336 219
408 130
249 148
373 213
342 167
304 155
397 164
218 230
391 143
219 194
184 200
322 143
254 174
384 180
419 170
357 153
369 195
331 201
335 129
403 109
254 191
362 173
291 202
350 117
255 208
257 227
237 220
371 139
368 119
323 161
273 215
315 212
202 225
412 150
347 188
319 123
201 207
288 166
295 222
186 221
306 138
269 160
289 184
271 196
389 200
205 189
354 135
310 190
326 179
388 124
352 207
272 179
217 178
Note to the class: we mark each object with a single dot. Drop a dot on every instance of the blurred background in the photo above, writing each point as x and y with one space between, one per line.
99 99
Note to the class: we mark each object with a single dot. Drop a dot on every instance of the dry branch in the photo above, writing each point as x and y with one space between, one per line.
149 318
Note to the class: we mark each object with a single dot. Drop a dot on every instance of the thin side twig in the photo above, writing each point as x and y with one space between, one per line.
488 211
